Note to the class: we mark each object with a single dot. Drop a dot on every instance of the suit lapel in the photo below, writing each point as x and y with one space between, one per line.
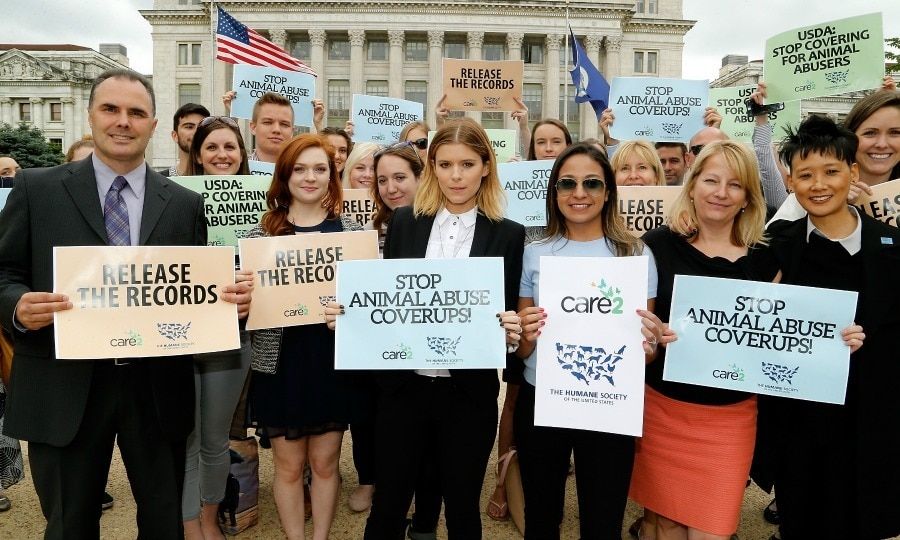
482 235
880 262
422 233
82 187
156 197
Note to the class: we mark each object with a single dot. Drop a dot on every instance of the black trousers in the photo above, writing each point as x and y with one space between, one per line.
431 416
603 464
70 480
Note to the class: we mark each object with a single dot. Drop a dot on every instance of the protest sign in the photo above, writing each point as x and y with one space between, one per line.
657 109
764 338
825 59
251 82
380 119
420 314
4 194
590 361
294 275
525 183
140 301
482 85
504 142
233 204
358 205
883 204
738 123
645 208
261 168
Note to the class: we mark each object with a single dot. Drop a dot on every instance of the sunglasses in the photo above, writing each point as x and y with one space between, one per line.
697 148
421 144
591 186
398 146
224 119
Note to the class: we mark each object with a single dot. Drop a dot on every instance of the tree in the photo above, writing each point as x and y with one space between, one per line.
892 58
28 146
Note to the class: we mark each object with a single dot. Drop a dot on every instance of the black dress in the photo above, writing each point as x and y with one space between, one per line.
306 396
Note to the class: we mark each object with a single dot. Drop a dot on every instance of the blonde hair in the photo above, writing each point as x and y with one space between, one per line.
490 199
361 151
645 151
748 226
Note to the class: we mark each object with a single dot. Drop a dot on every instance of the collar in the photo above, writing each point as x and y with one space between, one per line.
468 217
105 176
852 243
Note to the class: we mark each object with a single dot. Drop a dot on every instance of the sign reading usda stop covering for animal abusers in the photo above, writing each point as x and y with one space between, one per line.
765 338
420 314
590 361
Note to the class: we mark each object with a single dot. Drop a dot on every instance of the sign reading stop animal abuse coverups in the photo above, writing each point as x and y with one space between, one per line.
139 301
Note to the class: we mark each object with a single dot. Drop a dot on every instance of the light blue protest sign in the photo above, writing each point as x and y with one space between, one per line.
4 194
657 109
251 82
420 314
764 338
525 183
261 168
380 119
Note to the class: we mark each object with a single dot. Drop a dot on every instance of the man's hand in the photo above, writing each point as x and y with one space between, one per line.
227 98
240 292
35 309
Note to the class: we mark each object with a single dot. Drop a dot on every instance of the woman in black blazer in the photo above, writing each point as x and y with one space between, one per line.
458 213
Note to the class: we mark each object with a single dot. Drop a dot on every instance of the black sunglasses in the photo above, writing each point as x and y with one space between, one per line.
225 120
592 186
421 144
697 148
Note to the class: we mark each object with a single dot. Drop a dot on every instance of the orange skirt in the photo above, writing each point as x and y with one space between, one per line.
692 463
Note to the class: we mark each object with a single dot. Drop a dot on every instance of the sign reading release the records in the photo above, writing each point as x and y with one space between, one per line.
657 109
421 314
140 301
482 85
764 338
590 359
294 274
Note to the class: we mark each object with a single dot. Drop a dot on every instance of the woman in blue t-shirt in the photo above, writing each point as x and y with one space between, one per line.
582 221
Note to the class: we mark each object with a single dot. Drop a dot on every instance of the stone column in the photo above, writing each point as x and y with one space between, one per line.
37 112
613 58
6 111
551 76
476 40
513 52
279 37
71 133
435 74
588 117
357 40
395 63
317 61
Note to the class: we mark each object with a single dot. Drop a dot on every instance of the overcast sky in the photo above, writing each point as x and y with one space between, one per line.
723 26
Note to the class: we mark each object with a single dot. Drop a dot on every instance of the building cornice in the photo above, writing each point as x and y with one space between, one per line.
176 16
660 26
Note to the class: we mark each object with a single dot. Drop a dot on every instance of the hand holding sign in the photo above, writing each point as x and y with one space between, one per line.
35 309
240 292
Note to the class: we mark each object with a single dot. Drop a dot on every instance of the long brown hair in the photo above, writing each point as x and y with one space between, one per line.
275 221
408 153
194 168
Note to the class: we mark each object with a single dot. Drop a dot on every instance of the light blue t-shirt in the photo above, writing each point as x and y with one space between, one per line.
560 247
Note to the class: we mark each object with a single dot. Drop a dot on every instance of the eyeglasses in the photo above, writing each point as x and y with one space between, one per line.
400 145
591 186
697 148
421 144
225 120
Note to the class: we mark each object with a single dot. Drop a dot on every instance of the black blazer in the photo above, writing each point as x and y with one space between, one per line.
407 238
60 206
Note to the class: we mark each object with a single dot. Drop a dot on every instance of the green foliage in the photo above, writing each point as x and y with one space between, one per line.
892 57
28 146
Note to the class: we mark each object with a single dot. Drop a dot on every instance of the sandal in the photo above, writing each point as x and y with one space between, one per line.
500 511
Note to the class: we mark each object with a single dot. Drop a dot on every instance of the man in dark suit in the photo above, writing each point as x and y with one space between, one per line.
72 412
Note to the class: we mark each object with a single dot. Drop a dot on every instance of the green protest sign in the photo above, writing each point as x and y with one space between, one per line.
825 59
738 124
505 142
233 204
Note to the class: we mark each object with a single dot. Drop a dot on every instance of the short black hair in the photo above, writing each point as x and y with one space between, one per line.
665 144
186 110
131 75
821 135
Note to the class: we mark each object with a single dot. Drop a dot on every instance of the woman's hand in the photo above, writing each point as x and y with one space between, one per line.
533 320
656 333
857 188
227 98
511 322
441 113
348 127
520 115
318 114
606 121
240 292
888 83
332 310
759 97
712 118
853 337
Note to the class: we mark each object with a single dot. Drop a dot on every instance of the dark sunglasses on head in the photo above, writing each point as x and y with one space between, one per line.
421 144
398 146
592 186
697 148
225 120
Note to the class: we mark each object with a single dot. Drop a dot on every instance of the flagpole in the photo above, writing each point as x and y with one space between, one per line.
213 20
565 117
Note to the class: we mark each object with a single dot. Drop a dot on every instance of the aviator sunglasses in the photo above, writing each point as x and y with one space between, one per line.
591 186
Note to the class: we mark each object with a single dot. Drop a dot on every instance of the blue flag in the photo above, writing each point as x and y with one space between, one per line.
589 83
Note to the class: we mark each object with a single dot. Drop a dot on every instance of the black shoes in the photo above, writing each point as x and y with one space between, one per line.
106 502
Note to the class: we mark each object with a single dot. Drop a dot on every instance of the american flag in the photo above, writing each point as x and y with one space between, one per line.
237 44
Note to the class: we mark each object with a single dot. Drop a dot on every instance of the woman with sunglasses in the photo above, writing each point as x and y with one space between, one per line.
297 398
359 172
217 149
417 133
582 221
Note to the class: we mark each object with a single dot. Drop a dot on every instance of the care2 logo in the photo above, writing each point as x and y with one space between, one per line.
134 339
609 302
733 374
300 310
402 352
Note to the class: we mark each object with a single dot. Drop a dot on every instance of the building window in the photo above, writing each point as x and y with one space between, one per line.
645 6
56 112
492 120
339 49
57 142
645 62
455 49
416 91
24 112
493 51
573 117
533 52
338 102
377 88
188 2
188 54
378 49
533 96
416 50
188 93
300 49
